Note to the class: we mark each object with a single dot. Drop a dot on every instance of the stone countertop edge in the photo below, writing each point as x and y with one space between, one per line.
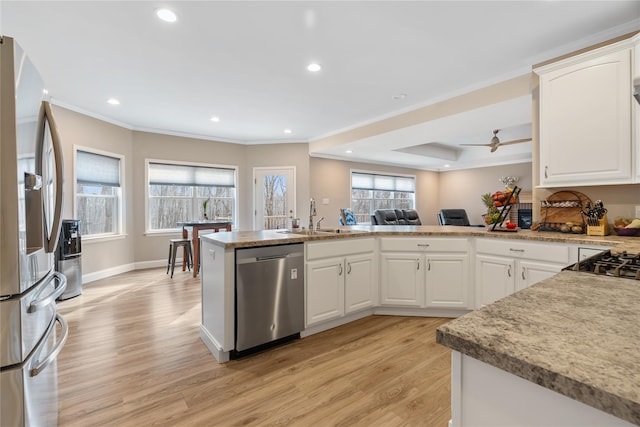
546 334
252 238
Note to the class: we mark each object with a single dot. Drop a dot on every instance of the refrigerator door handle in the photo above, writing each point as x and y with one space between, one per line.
47 115
51 298
42 364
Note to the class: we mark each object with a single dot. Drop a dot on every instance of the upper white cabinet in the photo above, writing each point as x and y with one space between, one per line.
586 118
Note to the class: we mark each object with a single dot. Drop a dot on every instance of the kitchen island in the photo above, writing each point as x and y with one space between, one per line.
581 309
575 334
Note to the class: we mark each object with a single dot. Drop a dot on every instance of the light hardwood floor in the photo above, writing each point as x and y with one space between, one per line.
134 358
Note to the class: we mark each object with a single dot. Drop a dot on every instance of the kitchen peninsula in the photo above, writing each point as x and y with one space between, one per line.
529 345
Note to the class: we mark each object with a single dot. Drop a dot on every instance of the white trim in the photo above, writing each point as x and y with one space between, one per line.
102 238
254 186
122 225
220 355
147 231
108 272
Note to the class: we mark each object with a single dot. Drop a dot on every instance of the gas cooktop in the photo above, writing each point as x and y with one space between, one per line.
608 264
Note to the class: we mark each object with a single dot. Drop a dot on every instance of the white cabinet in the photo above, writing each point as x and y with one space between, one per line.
586 118
507 266
360 280
424 272
530 272
325 290
402 279
339 283
494 279
447 280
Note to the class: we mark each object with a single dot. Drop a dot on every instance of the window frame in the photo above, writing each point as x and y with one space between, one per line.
194 196
373 199
121 191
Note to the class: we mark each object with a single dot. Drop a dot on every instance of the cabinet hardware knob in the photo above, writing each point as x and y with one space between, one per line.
523 271
509 271
516 250
418 261
423 245
546 168
428 265
348 268
340 271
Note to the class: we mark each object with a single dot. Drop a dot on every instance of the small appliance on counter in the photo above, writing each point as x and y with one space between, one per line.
69 257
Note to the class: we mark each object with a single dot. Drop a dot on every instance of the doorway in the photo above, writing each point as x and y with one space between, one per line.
274 197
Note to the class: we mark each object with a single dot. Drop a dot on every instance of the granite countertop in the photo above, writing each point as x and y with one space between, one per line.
575 333
240 239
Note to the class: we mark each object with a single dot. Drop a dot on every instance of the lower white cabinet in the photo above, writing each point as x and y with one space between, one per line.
325 290
339 285
437 276
402 279
504 267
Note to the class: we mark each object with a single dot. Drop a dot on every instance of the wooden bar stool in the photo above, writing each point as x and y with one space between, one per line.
174 244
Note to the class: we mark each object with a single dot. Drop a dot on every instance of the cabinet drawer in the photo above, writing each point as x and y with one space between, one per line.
426 244
337 248
517 249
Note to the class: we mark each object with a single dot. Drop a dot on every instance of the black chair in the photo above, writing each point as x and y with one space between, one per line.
453 217
411 217
386 217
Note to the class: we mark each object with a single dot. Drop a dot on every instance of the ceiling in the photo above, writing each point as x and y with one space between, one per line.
245 62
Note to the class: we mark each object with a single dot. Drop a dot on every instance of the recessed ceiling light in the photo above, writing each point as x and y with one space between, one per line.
44 91
166 15
113 101
287 131
314 67
400 96
215 119
447 166
349 151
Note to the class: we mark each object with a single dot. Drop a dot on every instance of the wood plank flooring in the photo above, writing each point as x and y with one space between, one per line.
134 358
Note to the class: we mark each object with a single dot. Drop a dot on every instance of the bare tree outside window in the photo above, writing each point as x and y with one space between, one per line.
275 201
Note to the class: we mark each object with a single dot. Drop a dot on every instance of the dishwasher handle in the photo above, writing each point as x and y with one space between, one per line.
269 257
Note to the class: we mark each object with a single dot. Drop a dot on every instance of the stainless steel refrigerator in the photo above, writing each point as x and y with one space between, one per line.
31 332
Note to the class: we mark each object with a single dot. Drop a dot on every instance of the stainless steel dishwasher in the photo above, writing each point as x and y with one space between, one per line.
269 296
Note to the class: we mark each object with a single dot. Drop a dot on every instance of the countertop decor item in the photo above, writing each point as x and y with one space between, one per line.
623 231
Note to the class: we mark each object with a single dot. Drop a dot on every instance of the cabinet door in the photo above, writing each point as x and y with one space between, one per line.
402 279
447 280
359 283
494 279
325 290
530 272
585 121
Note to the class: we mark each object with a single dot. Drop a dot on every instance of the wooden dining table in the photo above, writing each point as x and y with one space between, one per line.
196 226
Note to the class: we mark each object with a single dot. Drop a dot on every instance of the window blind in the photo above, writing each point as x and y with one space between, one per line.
92 168
167 174
367 181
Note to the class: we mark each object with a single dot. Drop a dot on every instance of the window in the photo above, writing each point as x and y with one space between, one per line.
186 192
98 193
375 191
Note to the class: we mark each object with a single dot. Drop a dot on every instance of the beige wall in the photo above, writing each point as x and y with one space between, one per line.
78 129
153 247
331 179
464 189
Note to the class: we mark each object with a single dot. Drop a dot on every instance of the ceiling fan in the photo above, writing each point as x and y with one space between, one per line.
495 142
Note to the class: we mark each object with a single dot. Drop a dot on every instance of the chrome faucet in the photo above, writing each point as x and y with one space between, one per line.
318 223
312 213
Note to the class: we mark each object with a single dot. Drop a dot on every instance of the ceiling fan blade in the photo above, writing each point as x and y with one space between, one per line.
516 141
477 145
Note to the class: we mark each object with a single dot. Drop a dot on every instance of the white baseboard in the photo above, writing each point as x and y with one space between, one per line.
102 274
220 355
97 275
